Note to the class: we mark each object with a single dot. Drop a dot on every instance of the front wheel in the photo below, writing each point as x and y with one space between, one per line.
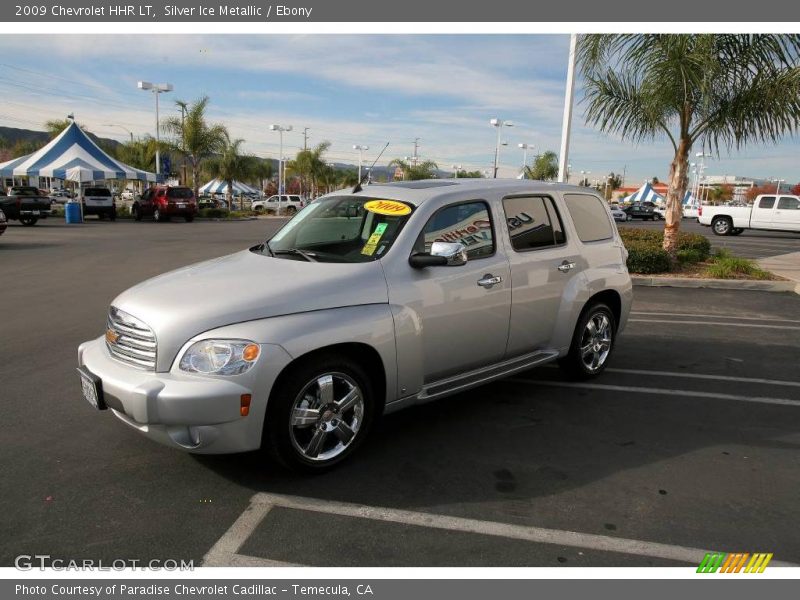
29 221
592 343
319 414
722 226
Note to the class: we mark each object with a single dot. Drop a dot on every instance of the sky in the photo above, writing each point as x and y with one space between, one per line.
348 90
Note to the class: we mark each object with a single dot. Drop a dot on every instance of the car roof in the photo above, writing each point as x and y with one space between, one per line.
426 190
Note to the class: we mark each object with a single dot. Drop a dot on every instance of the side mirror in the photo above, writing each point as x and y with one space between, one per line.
442 254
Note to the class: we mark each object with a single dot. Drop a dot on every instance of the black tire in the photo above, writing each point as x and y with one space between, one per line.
722 226
136 212
283 441
157 216
101 216
573 364
259 208
290 210
737 231
29 221
113 215
189 218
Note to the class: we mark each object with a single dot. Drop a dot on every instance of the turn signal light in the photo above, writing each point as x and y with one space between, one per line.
245 405
250 352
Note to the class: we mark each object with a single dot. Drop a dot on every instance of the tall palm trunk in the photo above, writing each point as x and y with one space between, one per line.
678 182
195 177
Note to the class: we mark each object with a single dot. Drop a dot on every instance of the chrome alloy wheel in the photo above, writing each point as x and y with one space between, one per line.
326 416
596 342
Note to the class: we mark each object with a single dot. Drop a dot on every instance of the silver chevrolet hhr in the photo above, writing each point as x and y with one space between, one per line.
362 304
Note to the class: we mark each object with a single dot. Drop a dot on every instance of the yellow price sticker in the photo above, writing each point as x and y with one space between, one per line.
387 207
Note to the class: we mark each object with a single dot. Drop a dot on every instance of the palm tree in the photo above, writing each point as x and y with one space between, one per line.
232 166
262 171
544 168
422 170
309 164
722 90
139 153
54 127
195 138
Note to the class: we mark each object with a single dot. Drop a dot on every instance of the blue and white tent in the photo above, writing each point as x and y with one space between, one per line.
72 156
644 194
689 200
217 186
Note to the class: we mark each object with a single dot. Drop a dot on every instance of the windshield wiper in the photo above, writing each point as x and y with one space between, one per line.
294 251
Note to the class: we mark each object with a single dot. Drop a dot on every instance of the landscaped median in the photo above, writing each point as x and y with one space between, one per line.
214 214
695 260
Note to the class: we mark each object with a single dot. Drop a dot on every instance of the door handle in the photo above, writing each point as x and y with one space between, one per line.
566 266
488 280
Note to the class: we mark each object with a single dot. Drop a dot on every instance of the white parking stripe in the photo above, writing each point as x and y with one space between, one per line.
695 316
713 323
224 552
539 535
656 391
704 376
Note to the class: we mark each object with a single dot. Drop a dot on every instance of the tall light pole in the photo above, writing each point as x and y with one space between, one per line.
281 175
778 183
498 124
524 148
456 169
360 149
563 164
702 167
584 178
121 127
156 88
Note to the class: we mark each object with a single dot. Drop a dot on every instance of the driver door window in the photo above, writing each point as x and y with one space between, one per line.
468 223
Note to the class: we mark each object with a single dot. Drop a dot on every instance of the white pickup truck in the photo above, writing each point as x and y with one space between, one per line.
771 212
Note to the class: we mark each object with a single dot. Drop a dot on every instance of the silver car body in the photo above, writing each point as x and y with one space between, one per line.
426 333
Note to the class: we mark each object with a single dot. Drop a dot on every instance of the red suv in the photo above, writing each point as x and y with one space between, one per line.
165 201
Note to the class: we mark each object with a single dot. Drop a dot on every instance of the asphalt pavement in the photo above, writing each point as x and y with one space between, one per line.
689 442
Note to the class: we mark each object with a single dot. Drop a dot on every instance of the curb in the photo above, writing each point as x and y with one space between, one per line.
717 284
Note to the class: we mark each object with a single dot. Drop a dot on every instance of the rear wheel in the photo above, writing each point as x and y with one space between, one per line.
136 212
319 414
157 216
722 226
28 221
113 215
592 343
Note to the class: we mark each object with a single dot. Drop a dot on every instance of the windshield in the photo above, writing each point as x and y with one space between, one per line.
341 229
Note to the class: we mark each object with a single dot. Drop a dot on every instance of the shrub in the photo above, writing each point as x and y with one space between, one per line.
690 256
695 242
647 257
725 266
213 213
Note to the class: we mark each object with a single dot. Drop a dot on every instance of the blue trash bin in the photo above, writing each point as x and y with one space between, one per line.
72 212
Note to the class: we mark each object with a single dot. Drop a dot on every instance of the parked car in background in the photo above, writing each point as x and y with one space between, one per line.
660 213
127 195
25 204
60 196
641 210
3 222
165 201
619 214
98 201
209 202
289 203
690 212
769 212
363 304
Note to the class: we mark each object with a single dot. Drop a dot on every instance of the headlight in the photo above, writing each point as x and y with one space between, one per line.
220 357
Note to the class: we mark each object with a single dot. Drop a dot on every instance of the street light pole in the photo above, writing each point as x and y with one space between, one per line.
498 124
563 164
456 169
360 149
156 88
281 170
121 127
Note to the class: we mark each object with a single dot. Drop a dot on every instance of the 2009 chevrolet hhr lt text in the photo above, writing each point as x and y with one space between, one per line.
363 303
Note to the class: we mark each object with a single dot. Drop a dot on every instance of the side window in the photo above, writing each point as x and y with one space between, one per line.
469 223
788 203
766 202
533 222
590 217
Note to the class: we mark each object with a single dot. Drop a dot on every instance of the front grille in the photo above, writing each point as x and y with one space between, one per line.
135 342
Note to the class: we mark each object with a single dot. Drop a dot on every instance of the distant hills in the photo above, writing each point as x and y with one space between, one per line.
12 135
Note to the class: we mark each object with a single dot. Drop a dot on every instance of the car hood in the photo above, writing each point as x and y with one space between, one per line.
244 287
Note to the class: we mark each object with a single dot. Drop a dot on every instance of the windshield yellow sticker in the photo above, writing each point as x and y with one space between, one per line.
388 207
372 242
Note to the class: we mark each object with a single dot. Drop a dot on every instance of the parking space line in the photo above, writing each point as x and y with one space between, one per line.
526 533
695 315
716 323
704 376
224 552
656 391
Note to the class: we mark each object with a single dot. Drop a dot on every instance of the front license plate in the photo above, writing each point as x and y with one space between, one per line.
92 388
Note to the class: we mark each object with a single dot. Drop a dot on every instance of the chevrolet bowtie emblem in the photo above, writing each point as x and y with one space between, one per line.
111 336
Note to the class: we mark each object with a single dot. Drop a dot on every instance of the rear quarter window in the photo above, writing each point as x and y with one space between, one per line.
179 192
590 217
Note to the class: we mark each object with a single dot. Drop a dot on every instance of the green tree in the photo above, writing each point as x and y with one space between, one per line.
721 90
308 165
544 168
232 165
261 173
195 138
54 127
470 174
414 171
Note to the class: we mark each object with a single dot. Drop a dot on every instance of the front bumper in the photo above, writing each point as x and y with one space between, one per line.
181 410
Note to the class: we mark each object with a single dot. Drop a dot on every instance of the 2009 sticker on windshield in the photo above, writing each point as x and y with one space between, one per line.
387 207
372 242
